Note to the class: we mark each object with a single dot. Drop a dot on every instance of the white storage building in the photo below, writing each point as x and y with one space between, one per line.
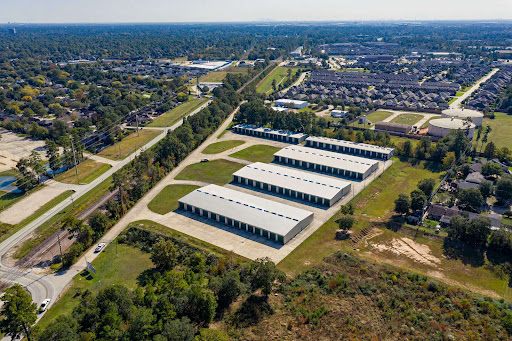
293 183
349 147
291 103
273 134
270 219
328 162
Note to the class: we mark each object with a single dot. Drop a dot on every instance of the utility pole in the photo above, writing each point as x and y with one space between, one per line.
137 121
74 157
60 248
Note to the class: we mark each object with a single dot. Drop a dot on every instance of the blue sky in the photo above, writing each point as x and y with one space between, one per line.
57 11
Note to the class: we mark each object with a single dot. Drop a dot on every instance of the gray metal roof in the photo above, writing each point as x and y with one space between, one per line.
255 211
350 144
296 180
327 158
272 131
462 113
451 123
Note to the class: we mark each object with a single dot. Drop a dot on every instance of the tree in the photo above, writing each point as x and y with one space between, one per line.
230 289
18 313
491 168
98 222
504 189
490 150
64 328
346 222
449 160
418 200
52 153
457 228
485 188
201 305
478 230
427 186
471 199
347 209
407 149
402 204
119 181
178 330
164 254
264 274
28 179
500 241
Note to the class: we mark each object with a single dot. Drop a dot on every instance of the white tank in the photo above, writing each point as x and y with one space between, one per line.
444 126
475 116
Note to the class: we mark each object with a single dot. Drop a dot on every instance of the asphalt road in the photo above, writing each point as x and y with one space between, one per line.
475 87
50 286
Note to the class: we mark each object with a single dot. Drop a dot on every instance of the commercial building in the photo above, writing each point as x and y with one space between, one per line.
273 134
291 103
444 126
338 113
293 183
393 127
327 162
270 219
297 52
476 117
349 147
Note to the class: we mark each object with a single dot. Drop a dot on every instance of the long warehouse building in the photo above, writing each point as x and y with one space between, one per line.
270 219
349 147
293 183
273 134
327 162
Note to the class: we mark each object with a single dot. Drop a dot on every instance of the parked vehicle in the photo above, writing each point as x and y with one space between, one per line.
100 247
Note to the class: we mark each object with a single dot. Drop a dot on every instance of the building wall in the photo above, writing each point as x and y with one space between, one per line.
269 135
291 193
243 226
325 169
348 150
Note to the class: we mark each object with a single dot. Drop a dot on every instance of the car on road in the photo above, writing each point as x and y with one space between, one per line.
205 160
44 306
100 247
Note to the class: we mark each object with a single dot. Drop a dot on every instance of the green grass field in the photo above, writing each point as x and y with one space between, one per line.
218 76
112 268
279 74
409 119
215 172
219 147
169 118
167 200
257 153
501 133
379 116
129 144
430 119
87 172
374 203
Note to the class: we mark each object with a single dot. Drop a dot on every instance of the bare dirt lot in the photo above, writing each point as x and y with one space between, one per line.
409 248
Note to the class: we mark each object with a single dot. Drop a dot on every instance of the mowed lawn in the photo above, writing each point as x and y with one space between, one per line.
379 116
217 172
501 133
409 119
169 118
129 144
279 74
430 119
87 172
219 147
218 76
121 264
377 200
167 200
257 153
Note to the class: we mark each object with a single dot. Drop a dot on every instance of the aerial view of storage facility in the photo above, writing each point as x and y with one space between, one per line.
270 219
328 162
273 134
293 183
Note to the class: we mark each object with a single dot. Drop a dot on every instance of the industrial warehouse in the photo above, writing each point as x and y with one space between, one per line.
293 183
328 162
273 134
272 220
349 147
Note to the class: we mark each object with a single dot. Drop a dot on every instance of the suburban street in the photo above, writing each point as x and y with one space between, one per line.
48 286
475 87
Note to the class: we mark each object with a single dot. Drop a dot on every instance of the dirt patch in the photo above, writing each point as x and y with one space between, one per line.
410 249
24 208
43 255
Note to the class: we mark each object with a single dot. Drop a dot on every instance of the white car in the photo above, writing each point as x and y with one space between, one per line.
44 306
100 247
205 160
